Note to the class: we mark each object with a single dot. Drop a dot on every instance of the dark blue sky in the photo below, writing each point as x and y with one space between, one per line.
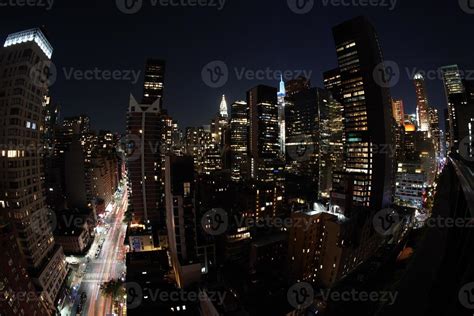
251 34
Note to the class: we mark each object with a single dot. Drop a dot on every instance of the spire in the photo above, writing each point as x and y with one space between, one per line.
282 92
223 107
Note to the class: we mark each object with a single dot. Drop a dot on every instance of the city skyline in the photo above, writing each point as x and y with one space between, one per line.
283 50
284 165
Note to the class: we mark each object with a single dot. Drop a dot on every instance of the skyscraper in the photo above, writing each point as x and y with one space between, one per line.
422 111
281 117
144 126
398 111
153 85
367 112
239 140
456 99
24 61
264 134
332 83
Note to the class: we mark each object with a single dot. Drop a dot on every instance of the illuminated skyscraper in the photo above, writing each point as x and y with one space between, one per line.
367 111
422 111
264 134
398 111
456 99
154 81
223 108
24 61
332 83
239 140
281 117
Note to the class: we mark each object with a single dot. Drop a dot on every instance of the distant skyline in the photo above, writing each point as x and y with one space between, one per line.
244 34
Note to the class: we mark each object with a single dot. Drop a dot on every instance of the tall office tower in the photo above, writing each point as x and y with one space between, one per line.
281 117
51 121
315 137
332 83
24 60
331 145
220 125
154 81
239 140
422 107
456 99
223 110
264 134
144 160
367 112
435 131
297 85
181 219
398 111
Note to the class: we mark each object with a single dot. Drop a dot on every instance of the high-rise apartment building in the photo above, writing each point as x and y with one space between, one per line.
24 61
367 113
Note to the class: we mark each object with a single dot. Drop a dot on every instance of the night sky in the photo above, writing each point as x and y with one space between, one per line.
251 34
